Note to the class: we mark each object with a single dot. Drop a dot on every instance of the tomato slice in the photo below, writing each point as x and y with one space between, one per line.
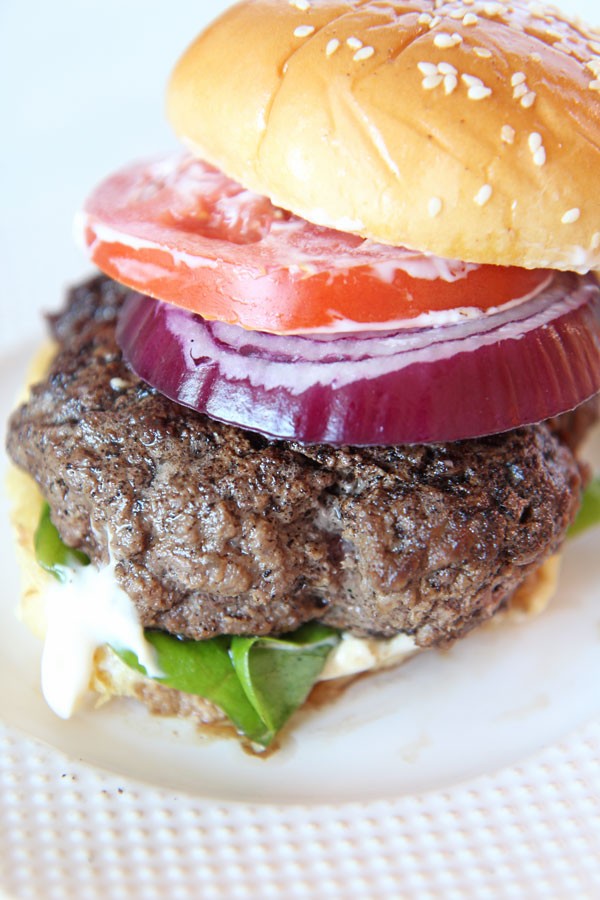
181 231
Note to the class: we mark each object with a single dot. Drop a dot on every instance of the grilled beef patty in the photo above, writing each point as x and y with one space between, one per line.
218 530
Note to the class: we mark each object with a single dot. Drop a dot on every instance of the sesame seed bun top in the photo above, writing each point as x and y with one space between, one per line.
467 129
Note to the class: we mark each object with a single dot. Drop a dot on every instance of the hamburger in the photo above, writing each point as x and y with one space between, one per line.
323 407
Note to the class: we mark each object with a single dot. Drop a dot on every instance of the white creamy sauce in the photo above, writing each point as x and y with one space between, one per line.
355 655
87 611
382 261
423 266
286 241
105 234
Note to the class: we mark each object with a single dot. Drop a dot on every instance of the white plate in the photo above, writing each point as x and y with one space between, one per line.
89 98
444 717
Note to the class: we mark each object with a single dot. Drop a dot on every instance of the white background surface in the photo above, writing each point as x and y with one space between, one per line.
82 85
81 90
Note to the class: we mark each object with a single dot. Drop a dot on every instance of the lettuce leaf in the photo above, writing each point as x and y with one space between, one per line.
51 552
203 668
257 682
589 511
277 674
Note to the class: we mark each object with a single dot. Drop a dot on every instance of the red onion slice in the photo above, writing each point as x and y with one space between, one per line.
484 375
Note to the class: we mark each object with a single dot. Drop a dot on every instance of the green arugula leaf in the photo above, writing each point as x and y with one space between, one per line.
277 674
51 552
589 511
203 668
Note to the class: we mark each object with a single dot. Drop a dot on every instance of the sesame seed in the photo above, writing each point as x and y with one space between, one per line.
302 5
118 384
424 19
445 40
493 9
435 21
507 133
518 78
519 91
445 68
535 141
434 207
331 47
354 43
470 19
594 66
478 92
450 84
596 240
432 81
483 195
457 13
539 157
476 88
303 30
434 75
482 52
427 68
571 216
528 100
363 53
594 85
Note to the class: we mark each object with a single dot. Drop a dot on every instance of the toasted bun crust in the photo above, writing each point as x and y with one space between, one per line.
471 131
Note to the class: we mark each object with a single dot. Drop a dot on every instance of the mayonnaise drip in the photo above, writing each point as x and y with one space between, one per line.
85 612
354 655
89 609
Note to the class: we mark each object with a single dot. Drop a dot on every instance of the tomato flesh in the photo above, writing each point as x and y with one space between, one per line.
181 231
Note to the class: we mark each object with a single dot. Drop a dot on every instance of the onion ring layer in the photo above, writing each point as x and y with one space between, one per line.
497 371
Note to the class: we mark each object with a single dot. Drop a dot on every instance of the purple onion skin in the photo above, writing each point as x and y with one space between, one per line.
518 379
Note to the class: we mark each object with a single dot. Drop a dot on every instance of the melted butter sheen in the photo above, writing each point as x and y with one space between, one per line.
82 614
